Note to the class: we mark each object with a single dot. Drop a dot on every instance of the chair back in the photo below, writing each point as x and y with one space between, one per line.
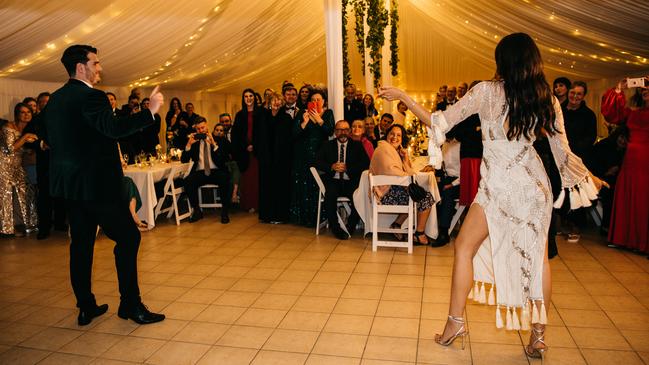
318 180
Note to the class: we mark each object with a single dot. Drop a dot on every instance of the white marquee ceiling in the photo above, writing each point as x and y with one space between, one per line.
226 45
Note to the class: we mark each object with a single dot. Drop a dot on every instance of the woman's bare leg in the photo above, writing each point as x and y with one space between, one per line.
472 233
422 218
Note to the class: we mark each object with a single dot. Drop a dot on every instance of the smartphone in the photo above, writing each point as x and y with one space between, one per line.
635 82
199 136
312 105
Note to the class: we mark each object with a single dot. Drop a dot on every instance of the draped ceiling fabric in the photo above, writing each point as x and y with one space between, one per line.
205 48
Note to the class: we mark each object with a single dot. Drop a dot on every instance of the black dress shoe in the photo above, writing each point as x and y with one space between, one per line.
225 219
442 240
140 314
196 216
86 315
339 233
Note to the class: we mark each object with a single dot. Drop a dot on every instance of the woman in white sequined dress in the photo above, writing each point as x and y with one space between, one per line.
503 239
13 179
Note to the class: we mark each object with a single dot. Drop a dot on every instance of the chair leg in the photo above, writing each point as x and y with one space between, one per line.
317 223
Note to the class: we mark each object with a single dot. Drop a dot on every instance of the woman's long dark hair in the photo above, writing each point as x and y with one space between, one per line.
244 107
405 140
528 94
171 105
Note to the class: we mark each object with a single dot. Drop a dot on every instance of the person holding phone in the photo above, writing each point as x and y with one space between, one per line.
630 215
311 128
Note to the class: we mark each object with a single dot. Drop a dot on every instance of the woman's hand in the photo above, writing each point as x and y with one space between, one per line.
315 117
249 148
305 120
620 85
391 93
30 137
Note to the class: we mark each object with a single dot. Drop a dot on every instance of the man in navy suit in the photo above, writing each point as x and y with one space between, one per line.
81 130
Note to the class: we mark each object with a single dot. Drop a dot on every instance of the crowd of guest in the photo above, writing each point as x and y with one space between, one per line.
272 143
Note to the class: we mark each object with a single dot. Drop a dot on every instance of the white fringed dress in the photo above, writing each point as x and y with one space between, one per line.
516 197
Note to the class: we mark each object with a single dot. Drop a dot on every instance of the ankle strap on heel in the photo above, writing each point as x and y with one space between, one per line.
456 319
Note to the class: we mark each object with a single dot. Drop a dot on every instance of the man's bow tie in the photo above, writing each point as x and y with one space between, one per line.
290 108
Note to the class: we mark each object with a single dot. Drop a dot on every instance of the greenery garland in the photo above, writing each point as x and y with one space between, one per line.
359 14
346 74
394 47
377 20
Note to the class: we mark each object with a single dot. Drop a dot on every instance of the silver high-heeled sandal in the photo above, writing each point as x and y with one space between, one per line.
537 353
461 332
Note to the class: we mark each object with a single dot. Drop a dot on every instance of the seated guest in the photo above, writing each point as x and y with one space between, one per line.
131 194
370 124
358 135
605 159
400 115
225 120
219 135
342 160
15 192
462 88
42 99
449 190
560 87
209 168
31 104
391 158
381 130
150 135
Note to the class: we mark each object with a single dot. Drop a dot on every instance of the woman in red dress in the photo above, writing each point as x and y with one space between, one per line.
244 136
630 216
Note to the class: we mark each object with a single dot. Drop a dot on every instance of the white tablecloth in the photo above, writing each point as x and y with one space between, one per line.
144 178
363 204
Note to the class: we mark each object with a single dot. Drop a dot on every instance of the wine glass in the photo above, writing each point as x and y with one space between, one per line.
125 156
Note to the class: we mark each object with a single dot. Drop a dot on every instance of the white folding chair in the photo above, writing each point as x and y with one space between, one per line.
170 190
377 208
341 201
216 200
597 212
459 209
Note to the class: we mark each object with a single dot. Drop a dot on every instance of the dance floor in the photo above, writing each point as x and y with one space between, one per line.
263 294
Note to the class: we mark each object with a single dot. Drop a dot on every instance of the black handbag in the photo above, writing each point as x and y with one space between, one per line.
416 192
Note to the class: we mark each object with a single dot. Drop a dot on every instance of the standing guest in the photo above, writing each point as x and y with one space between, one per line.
112 99
359 95
151 134
370 125
449 190
560 88
303 97
23 116
132 144
190 117
225 119
513 205
358 135
290 100
353 107
209 168
131 195
42 100
381 130
244 137
581 131
80 128
369 110
221 138
133 101
462 88
630 216
259 102
400 115
441 93
342 161
13 180
177 124
449 99
311 129
267 93
31 104
274 151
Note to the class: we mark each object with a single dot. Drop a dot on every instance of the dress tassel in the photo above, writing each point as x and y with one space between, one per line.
559 202
476 291
491 300
590 188
483 296
499 318
516 324
535 312
525 318
509 320
575 202
585 202
544 316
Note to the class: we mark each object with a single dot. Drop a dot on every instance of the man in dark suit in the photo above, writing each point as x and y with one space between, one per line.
342 161
209 168
380 131
354 108
85 170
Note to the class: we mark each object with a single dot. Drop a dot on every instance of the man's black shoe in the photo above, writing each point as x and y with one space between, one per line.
225 219
442 239
339 233
196 216
42 234
86 315
140 314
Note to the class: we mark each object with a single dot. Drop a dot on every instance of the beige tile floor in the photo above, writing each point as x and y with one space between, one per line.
250 293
